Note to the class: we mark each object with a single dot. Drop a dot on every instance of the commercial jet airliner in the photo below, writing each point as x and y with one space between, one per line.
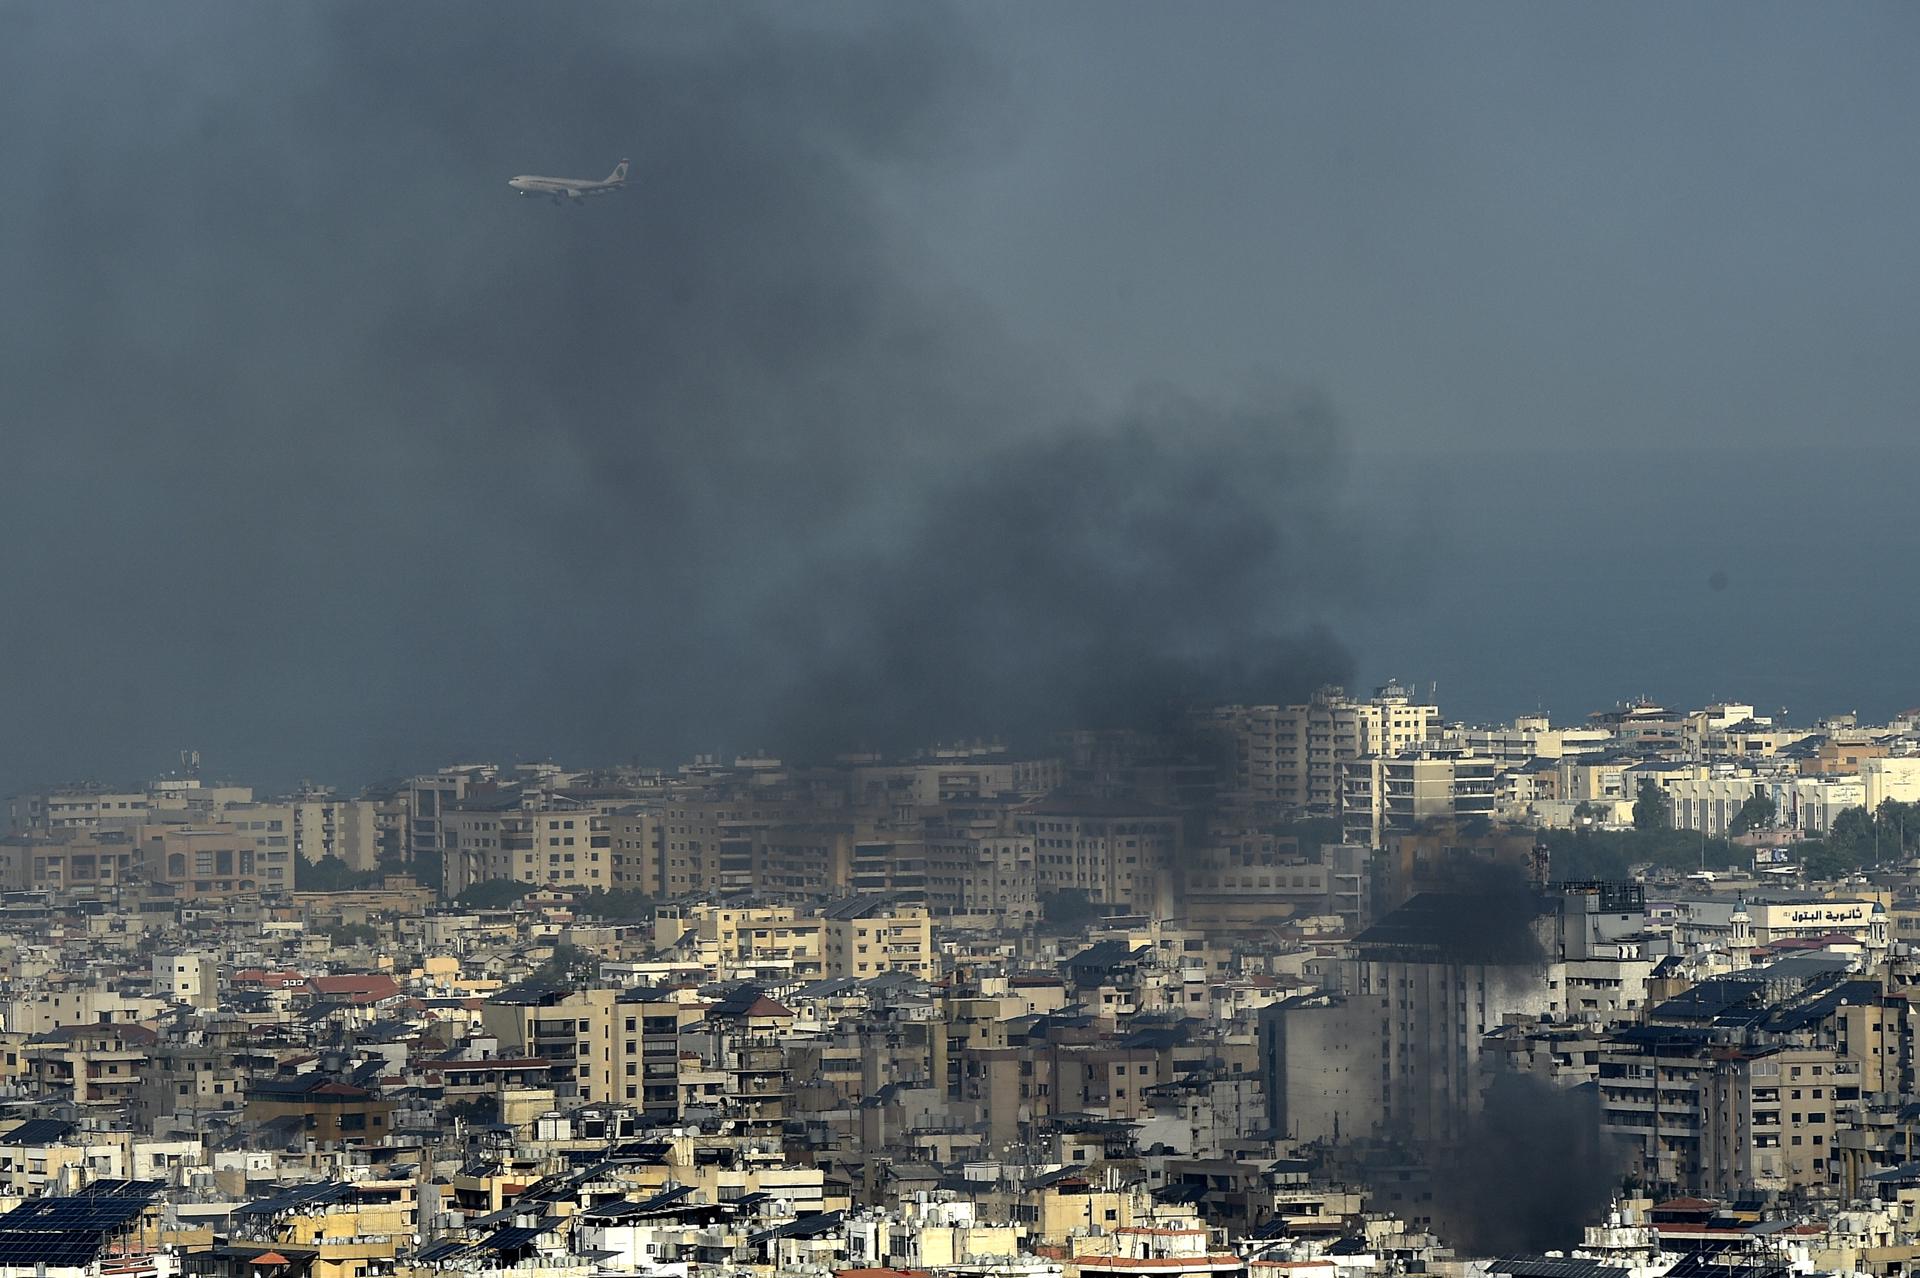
564 189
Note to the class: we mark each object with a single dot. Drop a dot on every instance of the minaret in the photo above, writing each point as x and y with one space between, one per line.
1740 945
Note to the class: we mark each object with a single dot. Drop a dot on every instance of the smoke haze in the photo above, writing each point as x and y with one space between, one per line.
331 455
1530 1172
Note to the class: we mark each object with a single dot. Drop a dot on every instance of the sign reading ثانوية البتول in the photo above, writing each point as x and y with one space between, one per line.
1835 914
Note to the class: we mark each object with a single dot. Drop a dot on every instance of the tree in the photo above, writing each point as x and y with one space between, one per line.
1756 813
568 963
481 1109
620 903
330 874
353 934
1819 859
1899 825
1586 852
1652 808
492 894
1855 839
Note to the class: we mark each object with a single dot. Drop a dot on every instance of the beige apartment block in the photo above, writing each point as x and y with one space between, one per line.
1292 755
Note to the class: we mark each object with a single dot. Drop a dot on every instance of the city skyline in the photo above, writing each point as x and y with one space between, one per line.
312 471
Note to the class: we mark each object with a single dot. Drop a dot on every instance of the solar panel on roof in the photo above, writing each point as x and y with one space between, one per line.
443 1250
61 1248
1554 1267
72 1213
107 1187
38 1131
298 1196
513 1237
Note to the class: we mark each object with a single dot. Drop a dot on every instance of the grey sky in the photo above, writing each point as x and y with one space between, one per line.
1473 225
328 455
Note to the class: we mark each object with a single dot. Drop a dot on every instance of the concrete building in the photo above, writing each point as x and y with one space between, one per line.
1382 795
1896 778
1396 1051
344 828
195 862
1292 755
1768 1117
1116 853
858 937
191 978
976 867
1527 739
73 864
960 776
602 1045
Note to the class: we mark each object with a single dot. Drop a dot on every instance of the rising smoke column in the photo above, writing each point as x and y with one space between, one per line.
1516 1163
333 455
1092 576
1531 1171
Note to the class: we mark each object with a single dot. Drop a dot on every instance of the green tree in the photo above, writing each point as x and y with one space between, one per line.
1588 853
1820 859
1652 809
1855 839
330 874
1899 826
353 934
481 1109
627 904
492 894
567 964
1756 813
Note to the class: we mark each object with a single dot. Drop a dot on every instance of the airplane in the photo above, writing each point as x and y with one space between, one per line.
563 189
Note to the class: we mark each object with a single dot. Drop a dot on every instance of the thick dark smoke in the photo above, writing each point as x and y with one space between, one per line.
1492 915
1090 577
1516 1163
1532 1170
328 453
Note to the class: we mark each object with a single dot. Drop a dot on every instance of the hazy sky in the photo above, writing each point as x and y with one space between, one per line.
1473 225
942 369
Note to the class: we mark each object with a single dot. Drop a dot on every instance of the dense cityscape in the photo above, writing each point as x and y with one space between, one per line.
753 640
1326 989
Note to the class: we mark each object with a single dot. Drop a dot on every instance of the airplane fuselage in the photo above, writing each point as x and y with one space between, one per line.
561 186
561 189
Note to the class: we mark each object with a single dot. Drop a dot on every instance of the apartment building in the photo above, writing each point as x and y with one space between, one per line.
1292 755
1117 853
603 1045
867 936
1527 739
976 865
78 808
73 863
859 937
526 838
199 862
1382 795
347 829
1768 1118
1396 1048
961 777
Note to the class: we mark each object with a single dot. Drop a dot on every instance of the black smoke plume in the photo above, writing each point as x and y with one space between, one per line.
1515 1163
329 453
1090 577
1531 1171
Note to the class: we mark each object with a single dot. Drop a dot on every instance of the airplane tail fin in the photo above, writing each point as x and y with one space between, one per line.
619 173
